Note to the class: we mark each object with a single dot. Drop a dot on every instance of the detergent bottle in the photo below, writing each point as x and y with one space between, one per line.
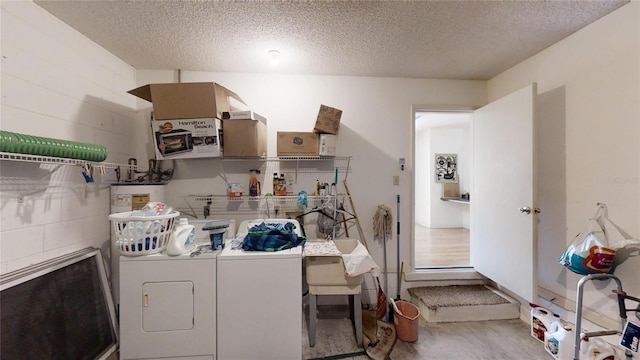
596 349
541 321
182 238
558 341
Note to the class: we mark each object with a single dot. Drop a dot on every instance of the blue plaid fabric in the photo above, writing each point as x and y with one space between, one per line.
272 237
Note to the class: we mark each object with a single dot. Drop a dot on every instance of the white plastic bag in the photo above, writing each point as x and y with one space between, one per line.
593 250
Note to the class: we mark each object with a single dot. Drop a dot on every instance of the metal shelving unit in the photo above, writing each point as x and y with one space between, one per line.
55 160
208 204
224 205
48 174
300 164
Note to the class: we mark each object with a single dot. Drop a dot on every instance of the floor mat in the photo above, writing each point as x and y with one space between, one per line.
456 295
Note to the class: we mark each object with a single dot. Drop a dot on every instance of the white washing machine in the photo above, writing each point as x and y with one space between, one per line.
168 306
260 301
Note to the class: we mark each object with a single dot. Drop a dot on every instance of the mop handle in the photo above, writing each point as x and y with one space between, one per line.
398 247
384 251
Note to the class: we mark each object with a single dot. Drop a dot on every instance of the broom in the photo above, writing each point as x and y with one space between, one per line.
369 318
381 336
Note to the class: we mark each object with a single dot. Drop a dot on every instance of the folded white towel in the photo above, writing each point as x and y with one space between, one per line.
359 261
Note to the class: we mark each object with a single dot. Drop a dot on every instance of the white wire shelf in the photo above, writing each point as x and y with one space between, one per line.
223 204
58 160
301 164
55 174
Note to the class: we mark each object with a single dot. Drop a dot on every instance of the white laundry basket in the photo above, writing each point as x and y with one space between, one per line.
142 235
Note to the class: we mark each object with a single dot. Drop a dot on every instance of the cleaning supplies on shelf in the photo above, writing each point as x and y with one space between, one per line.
254 183
276 183
182 238
282 186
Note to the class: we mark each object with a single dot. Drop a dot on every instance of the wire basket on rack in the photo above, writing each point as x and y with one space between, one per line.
142 235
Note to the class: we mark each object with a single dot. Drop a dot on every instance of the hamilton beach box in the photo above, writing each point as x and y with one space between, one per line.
188 100
187 138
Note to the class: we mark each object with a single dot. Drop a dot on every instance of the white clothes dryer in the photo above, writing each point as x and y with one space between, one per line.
168 306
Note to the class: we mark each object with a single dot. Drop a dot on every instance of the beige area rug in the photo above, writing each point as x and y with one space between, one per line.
434 297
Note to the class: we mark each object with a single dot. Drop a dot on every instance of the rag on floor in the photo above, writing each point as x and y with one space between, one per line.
359 261
272 237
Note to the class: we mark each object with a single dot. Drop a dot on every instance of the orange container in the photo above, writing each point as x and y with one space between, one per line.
407 320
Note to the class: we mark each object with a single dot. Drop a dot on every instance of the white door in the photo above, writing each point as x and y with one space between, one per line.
503 196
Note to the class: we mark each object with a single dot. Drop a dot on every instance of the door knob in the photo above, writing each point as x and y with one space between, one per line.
525 210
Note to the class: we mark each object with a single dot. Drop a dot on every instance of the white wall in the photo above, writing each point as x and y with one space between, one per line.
422 169
596 73
56 83
375 129
449 140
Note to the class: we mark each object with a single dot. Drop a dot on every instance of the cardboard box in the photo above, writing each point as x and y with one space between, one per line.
244 138
328 121
328 145
186 138
244 115
298 143
187 100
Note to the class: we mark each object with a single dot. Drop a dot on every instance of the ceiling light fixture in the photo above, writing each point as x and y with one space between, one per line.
274 55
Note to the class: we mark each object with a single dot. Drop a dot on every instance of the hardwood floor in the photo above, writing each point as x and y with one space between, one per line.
478 340
441 247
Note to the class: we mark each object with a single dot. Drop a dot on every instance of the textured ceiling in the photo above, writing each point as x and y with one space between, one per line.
416 39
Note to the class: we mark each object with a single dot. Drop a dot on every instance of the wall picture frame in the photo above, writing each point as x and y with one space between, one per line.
446 168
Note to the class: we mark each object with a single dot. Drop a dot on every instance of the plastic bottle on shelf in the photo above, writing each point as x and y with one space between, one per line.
282 186
254 183
276 183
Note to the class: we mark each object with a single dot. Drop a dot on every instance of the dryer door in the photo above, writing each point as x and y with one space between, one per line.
159 310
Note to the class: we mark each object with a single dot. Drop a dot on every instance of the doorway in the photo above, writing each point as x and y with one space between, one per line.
503 196
442 144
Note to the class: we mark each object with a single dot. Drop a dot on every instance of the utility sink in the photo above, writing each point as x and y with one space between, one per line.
325 274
